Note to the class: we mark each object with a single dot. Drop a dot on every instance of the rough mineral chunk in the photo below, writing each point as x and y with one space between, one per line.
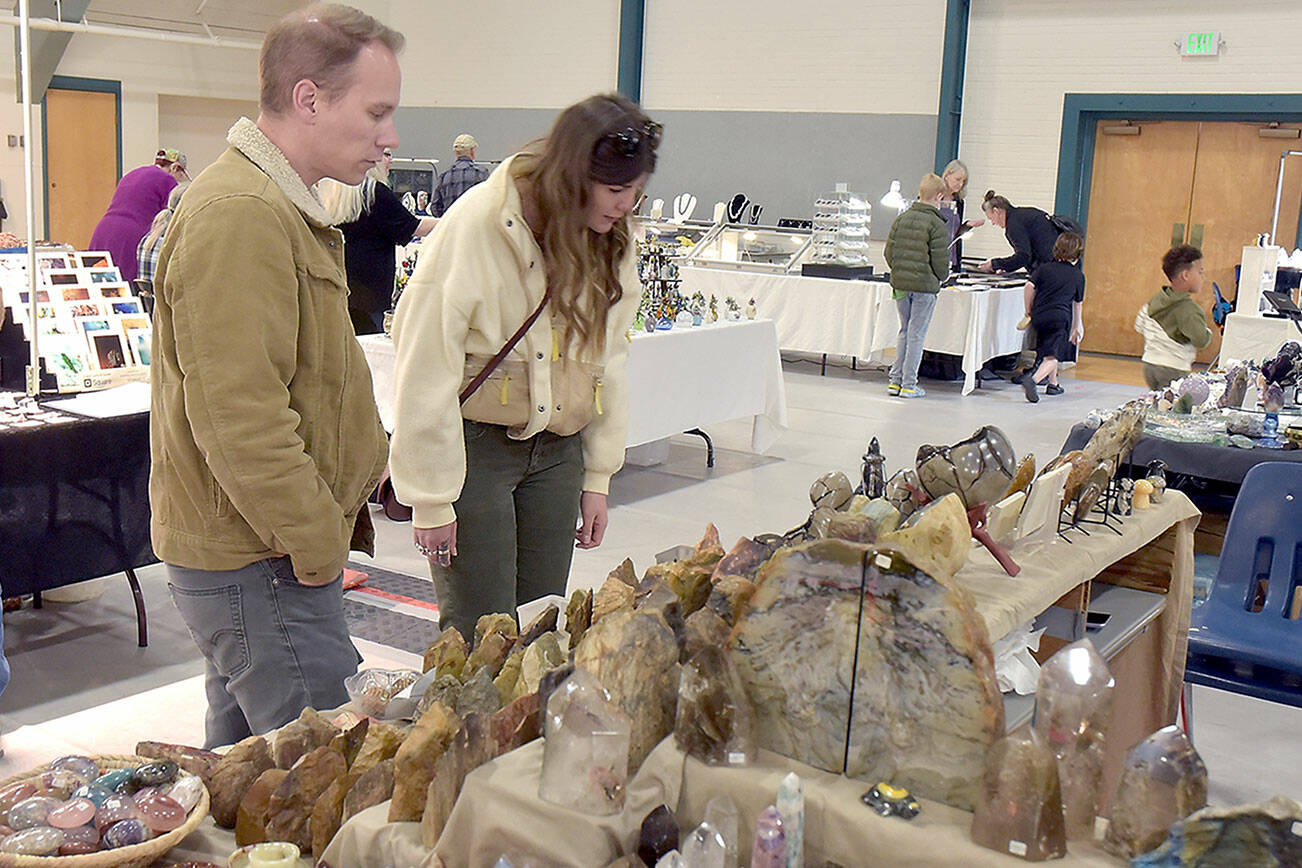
251 819
490 653
545 622
634 656
194 760
1019 808
414 763
444 689
381 743
715 722
612 596
308 733
498 622
656 598
292 803
472 747
690 578
744 560
541 657
478 695
447 654
1162 781
1258 835
233 776
729 596
327 813
578 616
704 629
374 786
625 573
937 538
517 724
507 681
350 741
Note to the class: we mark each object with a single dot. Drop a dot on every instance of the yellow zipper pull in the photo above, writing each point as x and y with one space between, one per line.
506 382
556 346
597 400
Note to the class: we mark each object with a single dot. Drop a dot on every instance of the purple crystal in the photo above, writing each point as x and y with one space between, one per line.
115 809
31 812
78 765
659 835
83 839
125 833
770 847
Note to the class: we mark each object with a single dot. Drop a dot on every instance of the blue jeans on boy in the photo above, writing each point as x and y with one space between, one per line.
915 310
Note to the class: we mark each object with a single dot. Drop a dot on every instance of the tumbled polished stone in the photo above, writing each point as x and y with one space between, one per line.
927 706
115 779
95 794
31 812
124 833
161 814
187 791
73 813
78 841
1019 807
769 849
1073 704
15 793
634 656
978 469
586 748
194 760
231 778
1162 781
33 841
82 766
715 721
140 795
115 809
447 654
156 773
658 835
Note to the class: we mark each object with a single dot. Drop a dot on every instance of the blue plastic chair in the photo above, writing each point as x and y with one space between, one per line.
1231 646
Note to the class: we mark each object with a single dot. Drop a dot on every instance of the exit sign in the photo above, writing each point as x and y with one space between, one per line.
1206 44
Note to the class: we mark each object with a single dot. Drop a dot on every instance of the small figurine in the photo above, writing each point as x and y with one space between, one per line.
733 313
1157 476
714 308
891 801
874 480
750 309
1143 493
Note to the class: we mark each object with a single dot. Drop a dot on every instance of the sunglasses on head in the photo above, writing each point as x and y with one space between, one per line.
628 141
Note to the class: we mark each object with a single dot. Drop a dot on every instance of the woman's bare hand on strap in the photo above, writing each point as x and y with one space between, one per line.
592 511
438 544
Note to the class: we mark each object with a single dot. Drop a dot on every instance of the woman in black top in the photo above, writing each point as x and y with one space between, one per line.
374 223
1053 303
955 178
1028 230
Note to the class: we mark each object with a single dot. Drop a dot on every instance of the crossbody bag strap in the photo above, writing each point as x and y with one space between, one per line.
496 360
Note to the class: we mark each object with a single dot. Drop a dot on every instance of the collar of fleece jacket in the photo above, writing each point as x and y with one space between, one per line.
250 141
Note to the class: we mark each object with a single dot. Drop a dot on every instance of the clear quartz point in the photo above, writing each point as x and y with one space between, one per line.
585 752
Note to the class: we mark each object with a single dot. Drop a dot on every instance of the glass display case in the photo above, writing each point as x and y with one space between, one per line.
767 249
842 223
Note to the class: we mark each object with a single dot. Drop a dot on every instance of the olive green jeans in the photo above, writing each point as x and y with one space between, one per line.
516 519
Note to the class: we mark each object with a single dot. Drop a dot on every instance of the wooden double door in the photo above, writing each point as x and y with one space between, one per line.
1210 184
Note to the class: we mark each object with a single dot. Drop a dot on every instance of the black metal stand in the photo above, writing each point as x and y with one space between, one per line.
709 445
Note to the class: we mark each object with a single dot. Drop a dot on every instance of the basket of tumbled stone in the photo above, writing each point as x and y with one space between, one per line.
97 812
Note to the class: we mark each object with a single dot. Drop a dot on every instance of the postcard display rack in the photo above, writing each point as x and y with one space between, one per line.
91 330
842 221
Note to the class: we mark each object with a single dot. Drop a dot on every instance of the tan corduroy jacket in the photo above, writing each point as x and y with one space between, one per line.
479 276
264 435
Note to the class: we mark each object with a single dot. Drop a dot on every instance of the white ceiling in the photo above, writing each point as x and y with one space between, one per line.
233 19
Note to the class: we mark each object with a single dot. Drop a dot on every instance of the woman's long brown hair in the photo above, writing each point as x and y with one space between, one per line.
582 265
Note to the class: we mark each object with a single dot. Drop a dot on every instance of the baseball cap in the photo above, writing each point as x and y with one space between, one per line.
170 155
465 142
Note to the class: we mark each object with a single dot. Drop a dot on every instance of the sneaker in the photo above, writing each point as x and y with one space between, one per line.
913 392
1028 386
892 389
1054 389
1018 377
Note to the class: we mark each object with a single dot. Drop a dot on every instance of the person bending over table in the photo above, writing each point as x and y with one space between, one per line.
1053 304
499 470
1029 232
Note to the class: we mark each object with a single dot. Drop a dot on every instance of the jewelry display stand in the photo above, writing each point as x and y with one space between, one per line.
842 222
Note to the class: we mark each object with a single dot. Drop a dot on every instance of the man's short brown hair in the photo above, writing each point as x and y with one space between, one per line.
318 43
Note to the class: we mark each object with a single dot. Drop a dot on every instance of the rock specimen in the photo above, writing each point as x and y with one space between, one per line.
730 595
1019 809
585 752
251 818
689 578
544 622
308 733
658 835
498 622
743 560
791 805
1081 467
770 847
445 689
625 572
414 763
978 469
291 804
794 650
472 747
1073 704
722 815
543 655
655 598
854 527
479 695
578 615
1163 781
196 761
611 597
936 538
704 847
447 654
232 777
1023 475
489 653
832 490
715 721
507 681
704 628
372 787
1117 436
381 743
327 813
516 724
926 703
350 741
634 656
1260 835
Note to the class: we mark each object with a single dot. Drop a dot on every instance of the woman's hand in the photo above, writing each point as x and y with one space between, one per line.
975 223
988 267
1078 334
438 544
592 510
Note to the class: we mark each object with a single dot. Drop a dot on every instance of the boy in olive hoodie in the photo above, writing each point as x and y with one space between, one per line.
1172 323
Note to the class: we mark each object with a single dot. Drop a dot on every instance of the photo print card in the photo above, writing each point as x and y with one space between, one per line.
47 262
125 306
113 290
94 259
109 351
103 275
67 277
138 341
74 293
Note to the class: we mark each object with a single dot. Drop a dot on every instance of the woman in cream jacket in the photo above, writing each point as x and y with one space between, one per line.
499 481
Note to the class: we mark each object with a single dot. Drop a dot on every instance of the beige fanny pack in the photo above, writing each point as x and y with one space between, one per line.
503 398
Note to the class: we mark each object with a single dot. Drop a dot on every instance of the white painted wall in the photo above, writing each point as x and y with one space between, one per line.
874 56
197 126
1024 55
506 53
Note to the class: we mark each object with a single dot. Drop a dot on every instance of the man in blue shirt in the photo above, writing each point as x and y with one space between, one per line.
460 176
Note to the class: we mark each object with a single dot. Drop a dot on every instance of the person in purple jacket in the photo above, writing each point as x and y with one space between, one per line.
140 195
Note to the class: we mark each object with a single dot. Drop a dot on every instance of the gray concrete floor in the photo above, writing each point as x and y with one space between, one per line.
71 660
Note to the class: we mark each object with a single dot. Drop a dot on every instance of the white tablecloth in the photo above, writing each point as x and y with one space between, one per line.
678 379
1256 338
858 318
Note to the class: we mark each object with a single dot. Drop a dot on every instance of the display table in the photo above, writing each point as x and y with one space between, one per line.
1199 460
1256 338
74 505
679 379
858 318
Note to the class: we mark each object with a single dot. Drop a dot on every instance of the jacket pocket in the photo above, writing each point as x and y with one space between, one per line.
576 395
503 398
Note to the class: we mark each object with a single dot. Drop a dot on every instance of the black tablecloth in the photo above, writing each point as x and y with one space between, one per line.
1199 460
74 502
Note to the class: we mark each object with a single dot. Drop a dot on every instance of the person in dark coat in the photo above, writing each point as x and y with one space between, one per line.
1029 232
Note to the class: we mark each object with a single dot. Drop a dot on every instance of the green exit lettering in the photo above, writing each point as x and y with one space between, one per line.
1201 43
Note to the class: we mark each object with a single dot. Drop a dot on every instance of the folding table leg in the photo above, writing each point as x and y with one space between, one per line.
1186 709
709 445
142 622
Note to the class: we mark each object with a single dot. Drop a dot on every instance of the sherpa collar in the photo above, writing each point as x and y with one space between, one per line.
250 141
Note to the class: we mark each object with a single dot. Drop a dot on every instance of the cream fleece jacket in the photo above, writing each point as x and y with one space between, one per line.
479 276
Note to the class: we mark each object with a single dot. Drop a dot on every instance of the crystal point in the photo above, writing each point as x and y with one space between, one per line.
791 805
705 848
585 752
658 837
715 722
1162 781
1019 809
770 847
722 814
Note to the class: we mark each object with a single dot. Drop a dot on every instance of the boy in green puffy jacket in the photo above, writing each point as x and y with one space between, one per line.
917 253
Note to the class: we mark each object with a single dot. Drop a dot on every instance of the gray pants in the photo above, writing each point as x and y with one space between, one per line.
272 646
1160 376
515 524
915 310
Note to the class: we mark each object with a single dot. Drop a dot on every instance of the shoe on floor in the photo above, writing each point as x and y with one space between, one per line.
1029 387
988 374
892 389
1054 389
913 392
1018 377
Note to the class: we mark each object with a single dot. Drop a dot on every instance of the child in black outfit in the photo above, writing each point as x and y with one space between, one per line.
1053 302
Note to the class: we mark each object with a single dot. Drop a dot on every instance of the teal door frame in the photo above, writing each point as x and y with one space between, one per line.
632 36
953 72
1081 113
67 82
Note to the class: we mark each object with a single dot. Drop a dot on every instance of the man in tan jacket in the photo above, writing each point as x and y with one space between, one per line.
265 439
